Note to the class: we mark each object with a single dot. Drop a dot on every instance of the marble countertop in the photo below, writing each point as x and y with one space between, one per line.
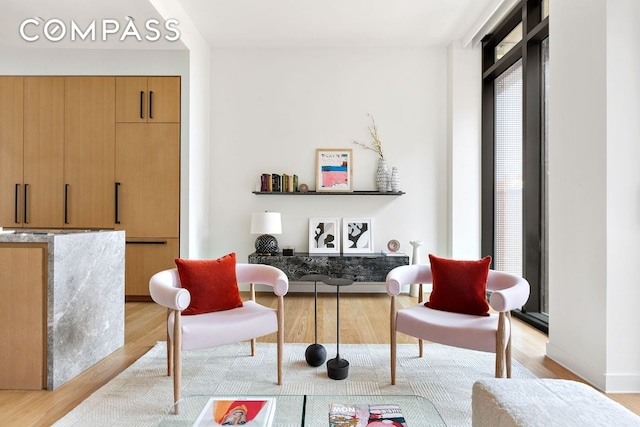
25 236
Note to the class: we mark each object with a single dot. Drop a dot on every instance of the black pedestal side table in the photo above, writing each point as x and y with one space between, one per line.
338 368
315 354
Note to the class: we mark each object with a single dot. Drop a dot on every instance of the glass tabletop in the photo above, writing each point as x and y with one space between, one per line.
313 410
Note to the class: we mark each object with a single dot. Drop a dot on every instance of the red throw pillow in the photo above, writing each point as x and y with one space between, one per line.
212 284
459 286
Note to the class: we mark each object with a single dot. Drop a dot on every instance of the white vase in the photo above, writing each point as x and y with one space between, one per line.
395 180
382 175
415 259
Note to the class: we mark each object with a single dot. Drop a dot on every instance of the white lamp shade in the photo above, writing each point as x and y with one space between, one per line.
266 223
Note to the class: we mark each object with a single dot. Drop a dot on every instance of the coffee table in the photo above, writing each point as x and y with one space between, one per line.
313 410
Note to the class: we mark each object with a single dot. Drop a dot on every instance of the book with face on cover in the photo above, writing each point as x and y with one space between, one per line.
227 411
366 415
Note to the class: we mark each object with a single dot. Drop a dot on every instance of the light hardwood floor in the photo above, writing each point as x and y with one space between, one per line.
364 319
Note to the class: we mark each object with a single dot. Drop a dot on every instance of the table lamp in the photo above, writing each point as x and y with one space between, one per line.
266 224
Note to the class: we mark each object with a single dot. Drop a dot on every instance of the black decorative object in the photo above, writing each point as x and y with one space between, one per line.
315 354
338 368
267 244
288 251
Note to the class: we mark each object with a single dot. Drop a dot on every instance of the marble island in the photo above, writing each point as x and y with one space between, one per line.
61 303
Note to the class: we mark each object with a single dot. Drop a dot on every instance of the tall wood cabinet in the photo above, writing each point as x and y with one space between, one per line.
11 148
32 148
95 152
148 176
90 152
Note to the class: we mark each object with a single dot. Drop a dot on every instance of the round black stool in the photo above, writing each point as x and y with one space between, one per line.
315 354
338 368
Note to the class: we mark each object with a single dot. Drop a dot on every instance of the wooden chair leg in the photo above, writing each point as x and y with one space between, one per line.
420 342
169 348
280 336
392 322
500 346
252 297
177 363
507 354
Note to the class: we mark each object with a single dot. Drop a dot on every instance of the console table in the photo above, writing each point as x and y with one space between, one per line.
356 267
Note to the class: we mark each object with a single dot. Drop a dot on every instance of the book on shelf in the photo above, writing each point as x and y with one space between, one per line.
389 253
219 411
276 180
290 185
265 182
366 415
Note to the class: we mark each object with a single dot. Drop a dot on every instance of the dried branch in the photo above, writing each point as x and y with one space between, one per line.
376 145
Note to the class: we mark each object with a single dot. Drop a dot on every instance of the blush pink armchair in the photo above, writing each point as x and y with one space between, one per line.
484 333
248 322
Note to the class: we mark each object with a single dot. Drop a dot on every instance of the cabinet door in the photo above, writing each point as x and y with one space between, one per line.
131 99
22 319
141 99
90 152
148 179
144 258
11 151
164 99
44 151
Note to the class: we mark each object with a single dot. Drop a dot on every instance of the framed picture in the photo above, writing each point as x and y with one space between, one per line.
334 169
324 236
357 235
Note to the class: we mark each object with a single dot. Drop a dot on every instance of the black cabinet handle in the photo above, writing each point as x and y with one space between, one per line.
17 197
141 104
151 104
66 203
26 188
117 200
150 242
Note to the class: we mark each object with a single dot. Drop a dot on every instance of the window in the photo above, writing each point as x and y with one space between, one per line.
509 42
514 146
508 170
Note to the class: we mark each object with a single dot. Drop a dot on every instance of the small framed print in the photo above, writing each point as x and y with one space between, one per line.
357 235
334 169
324 236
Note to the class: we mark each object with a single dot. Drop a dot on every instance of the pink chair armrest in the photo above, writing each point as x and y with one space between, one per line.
263 274
510 299
165 290
405 275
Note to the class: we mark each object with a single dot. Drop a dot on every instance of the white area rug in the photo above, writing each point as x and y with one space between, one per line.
142 394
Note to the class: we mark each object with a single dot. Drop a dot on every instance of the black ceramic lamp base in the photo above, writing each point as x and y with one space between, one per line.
315 354
338 368
266 245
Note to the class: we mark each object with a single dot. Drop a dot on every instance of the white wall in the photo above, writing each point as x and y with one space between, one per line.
271 109
593 192
464 145
69 62
623 196
194 214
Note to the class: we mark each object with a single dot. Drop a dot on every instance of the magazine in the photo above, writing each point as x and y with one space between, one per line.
219 411
366 415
